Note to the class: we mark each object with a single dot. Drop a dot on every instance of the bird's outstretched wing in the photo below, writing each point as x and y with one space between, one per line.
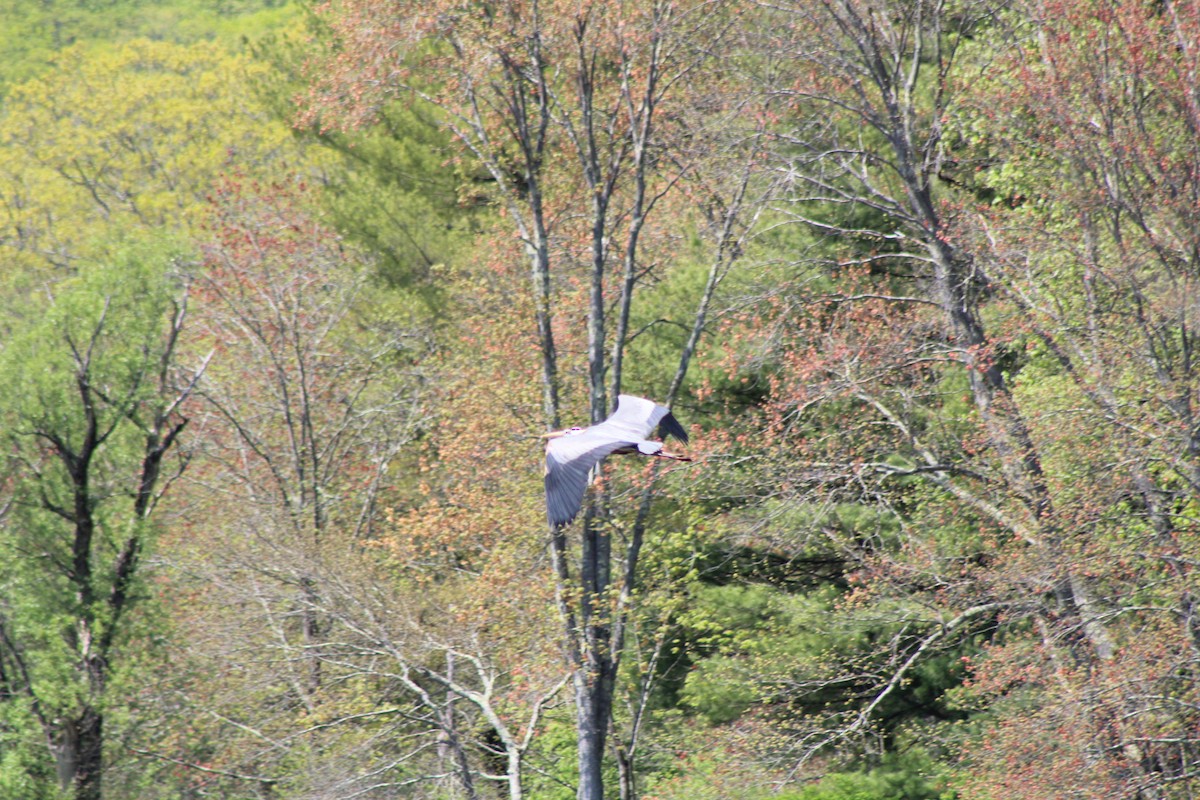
669 426
639 416
569 463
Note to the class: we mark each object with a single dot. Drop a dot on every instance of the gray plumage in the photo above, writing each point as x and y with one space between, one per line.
571 454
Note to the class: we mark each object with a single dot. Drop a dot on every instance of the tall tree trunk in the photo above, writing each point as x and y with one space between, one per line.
958 284
77 744
593 705
88 766
1008 431
64 745
596 672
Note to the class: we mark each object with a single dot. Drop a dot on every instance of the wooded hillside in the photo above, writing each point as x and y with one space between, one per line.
290 295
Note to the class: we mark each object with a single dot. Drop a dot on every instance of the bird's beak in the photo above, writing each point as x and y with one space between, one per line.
552 434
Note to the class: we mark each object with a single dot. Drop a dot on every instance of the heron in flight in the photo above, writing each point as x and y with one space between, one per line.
571 454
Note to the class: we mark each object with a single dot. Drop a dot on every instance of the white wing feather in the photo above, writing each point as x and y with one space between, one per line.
569 463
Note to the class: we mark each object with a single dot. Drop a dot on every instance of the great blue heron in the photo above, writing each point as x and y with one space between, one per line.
571 454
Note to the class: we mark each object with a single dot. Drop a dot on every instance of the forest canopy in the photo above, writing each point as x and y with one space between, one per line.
292 293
